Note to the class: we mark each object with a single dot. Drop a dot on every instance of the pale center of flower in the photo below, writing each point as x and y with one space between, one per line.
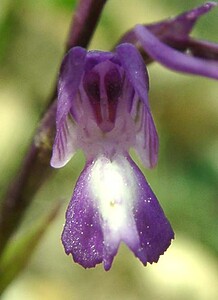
113 187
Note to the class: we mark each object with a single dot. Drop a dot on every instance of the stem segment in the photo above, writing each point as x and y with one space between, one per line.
36 168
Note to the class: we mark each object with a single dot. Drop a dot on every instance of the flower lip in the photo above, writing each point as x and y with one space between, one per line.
113 203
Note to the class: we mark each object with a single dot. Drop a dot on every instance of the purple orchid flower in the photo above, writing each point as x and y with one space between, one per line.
165 41
103 109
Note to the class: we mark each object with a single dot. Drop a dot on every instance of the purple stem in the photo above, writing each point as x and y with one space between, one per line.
88 10
36 168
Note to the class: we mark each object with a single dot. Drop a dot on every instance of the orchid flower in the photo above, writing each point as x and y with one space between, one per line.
165 41
103 108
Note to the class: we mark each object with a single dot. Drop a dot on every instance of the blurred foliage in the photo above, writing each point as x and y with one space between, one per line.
32 41
20 249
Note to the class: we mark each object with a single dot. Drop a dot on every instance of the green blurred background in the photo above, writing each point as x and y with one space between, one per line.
185 108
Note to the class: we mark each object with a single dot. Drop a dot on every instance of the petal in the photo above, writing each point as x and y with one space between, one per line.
99 215
172 58
134 66
112 203
135 69
95 57
82 235
70 76
155 232
112 186
65 143
146 144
